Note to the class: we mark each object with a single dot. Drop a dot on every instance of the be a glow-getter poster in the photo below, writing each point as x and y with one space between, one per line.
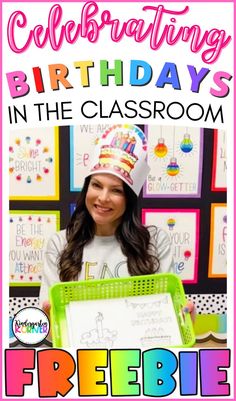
151 63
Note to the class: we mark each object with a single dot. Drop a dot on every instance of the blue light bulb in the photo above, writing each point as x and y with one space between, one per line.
186 145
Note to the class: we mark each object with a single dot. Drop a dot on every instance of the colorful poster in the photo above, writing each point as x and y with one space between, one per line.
29 233
218 241
82 142
219 168
175 158
182 226
33 164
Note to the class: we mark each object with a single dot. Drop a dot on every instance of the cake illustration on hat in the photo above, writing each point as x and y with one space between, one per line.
121 150
119 155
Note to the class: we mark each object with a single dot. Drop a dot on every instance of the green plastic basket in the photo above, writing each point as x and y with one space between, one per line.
62 294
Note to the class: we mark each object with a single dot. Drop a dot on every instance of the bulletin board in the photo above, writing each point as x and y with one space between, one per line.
193 216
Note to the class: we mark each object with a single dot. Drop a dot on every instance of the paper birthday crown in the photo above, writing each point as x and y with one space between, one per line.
121 150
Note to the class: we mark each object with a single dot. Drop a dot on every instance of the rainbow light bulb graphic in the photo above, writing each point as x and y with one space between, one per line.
171 223
186 145
161 149
172 168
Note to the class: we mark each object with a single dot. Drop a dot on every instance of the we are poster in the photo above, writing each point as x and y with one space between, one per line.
82 141
166 65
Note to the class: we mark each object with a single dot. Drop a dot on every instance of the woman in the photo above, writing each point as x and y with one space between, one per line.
105 238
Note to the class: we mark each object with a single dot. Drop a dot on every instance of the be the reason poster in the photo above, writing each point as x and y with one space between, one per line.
29 233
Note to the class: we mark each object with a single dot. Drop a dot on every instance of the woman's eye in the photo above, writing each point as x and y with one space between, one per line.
95 185
118 191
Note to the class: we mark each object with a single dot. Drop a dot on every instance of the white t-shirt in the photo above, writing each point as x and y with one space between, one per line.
102 258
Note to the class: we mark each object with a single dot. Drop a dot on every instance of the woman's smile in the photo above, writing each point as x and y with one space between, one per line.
102 209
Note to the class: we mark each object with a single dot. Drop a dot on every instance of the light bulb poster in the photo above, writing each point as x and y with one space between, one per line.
175 156
182 226
34 164
218 241
29 233
82 141
219 167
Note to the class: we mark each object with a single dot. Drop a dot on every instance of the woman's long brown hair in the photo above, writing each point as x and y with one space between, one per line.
134 239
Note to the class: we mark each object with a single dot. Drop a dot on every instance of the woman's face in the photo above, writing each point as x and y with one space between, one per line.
106 202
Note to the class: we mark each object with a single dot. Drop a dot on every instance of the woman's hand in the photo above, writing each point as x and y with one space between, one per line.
190 308
46 307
